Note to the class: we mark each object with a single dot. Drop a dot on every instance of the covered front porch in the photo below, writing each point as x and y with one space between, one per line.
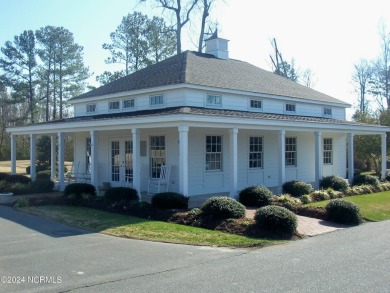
206 157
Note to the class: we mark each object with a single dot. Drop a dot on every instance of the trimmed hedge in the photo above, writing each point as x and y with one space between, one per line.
76 193
3 176
42 186
220 207
257 196
297 188
43 175
121 193
17 178
334 182
38 168
365 180
169 200
342 211
276 219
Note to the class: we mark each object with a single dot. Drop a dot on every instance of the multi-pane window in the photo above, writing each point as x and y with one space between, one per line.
214 100
113 105
213 153
327 111
129 160
157 155
91 108
257 104
128 103
156 100
290 107
256 152
328 151
88 155
291 151
115 161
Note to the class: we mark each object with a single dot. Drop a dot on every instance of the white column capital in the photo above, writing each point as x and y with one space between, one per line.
282 132
318 133
135 131
233 130
184 128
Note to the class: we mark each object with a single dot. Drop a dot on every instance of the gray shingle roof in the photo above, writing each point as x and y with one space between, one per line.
195 68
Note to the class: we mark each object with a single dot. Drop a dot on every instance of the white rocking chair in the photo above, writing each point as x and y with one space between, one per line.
161 184
72 174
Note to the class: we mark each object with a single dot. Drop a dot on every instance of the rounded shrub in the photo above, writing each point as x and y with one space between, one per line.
43 175
335 182
42 186
17 178
319 195
342 211
121 193
18 188
276 219
297 188
38 168
257 196
77 193
221 207
3 176
169 200
365 180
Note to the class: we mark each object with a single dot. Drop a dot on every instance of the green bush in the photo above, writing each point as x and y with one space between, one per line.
297 188
42 186
276 219
42 175
170 200
255 196
319 195
38 168
220 207
334 182
121 193
365 180
76 193
18 188
306 198
342 211
3 176
17 178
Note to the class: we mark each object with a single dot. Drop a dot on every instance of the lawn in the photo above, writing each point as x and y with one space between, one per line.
373 207
137 228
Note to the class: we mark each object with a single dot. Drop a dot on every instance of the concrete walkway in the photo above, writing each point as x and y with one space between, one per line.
309 226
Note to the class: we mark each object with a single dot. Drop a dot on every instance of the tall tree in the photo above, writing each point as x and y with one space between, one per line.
361 78
206 8
129 46
107 76
181 10
20 67
281 67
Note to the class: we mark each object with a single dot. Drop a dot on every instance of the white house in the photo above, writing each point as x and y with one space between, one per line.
221 124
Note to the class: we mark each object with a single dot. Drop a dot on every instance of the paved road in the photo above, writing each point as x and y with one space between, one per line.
73 260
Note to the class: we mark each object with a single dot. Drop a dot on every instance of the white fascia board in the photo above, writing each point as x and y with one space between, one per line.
194 121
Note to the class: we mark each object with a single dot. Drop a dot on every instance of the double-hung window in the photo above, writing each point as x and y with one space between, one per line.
213 153
157 155
291 152
328 151
256 152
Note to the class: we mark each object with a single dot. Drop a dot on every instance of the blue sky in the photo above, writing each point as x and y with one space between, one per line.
326 36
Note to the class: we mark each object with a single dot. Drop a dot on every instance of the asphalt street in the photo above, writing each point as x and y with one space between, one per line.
38 255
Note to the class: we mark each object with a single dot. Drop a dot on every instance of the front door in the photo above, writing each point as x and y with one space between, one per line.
121 171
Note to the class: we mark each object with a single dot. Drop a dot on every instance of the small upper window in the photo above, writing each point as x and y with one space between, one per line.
156 100
128 103
290 107
256 104
113 105
91 108
327 111
214 100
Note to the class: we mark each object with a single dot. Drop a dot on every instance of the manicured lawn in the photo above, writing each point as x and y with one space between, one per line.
133 227
373 207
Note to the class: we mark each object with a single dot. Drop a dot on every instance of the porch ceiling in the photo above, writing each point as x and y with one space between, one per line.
198 117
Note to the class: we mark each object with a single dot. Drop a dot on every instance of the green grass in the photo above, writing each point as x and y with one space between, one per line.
373 207
137 228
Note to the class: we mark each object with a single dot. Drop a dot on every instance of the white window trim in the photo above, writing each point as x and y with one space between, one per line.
213 105
114 110
290 112
331 151
205 153
157 105
262 153
90 112
296 153
327 115
128 108
255 109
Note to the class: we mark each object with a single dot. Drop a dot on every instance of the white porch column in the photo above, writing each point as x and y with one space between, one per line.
136 161
384 156
13 154
351 166
94 158
53 157
61 156
282 159
33 154
318 158
183 159
233 133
